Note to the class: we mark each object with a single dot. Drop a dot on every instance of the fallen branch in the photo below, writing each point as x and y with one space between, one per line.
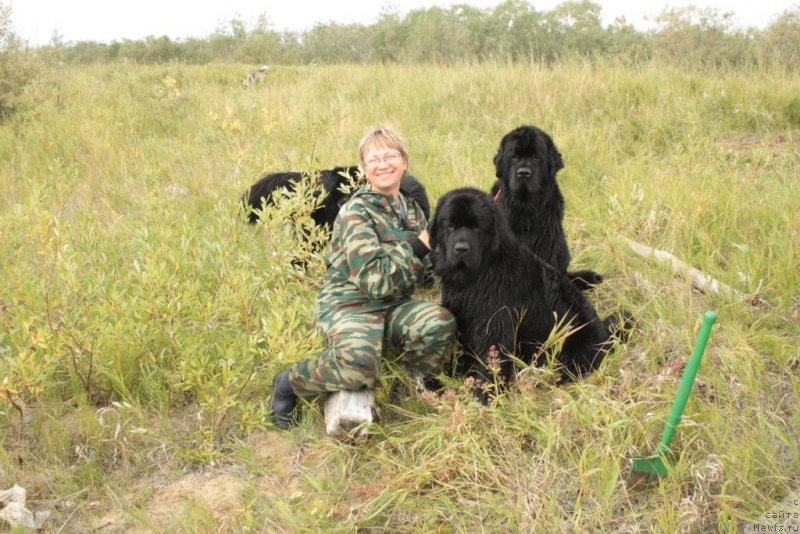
700 281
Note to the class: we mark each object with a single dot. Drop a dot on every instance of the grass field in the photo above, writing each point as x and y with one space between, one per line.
142 321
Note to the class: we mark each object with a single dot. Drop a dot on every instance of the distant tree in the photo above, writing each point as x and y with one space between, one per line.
86 52
134 51
7 37
291 47
436 34
628 44
17 67
388 39
226 39
780 42
513 29
112 52
196 51
161 50
471 22
700 37
261 45
336 43
579 28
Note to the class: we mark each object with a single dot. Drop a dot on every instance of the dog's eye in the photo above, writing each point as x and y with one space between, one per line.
451 227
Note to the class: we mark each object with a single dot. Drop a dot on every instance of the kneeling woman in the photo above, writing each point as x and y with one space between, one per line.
378 254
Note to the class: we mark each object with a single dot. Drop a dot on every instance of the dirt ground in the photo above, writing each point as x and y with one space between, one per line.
213 498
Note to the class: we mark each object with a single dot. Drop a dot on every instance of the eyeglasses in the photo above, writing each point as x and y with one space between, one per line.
389 158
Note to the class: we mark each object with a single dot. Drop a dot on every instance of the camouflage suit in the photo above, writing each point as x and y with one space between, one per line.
373 267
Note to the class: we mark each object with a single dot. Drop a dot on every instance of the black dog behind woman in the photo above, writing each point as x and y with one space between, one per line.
505 299
335 187
333 184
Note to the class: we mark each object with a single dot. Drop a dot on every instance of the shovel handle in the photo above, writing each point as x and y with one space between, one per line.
687 381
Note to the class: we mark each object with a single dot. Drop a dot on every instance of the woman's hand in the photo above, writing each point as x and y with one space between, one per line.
425 238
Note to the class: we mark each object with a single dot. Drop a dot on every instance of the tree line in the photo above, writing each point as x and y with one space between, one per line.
513 30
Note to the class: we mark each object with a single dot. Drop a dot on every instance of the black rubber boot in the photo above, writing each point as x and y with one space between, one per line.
284 400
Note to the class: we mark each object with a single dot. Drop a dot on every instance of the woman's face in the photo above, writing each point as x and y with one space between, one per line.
384 168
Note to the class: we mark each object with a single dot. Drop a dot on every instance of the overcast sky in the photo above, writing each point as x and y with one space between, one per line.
35 21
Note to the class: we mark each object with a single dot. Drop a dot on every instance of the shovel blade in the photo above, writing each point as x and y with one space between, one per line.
652 465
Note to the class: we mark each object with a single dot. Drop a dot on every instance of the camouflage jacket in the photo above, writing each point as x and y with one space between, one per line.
374 258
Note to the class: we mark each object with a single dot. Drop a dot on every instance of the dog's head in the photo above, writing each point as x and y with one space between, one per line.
340 182
464 233
527 161
337 186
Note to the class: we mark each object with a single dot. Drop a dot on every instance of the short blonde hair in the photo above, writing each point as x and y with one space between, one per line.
384 136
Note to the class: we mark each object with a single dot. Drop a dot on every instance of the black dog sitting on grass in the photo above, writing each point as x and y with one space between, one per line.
526 164
505 299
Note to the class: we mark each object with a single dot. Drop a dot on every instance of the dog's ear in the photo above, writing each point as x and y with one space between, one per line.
433 230
498 163
556 161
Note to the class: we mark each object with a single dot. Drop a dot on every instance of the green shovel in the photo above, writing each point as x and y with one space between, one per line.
647 468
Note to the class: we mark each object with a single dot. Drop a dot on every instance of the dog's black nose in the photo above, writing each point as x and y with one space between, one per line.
523 173
461 247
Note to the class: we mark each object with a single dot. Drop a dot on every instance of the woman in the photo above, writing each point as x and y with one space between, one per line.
378 254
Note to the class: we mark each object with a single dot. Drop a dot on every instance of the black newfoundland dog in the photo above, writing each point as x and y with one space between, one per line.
333 184
505 299
526 165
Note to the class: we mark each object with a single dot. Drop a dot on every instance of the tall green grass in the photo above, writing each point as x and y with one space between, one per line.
142 321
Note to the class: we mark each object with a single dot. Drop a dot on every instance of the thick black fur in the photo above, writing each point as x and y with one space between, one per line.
330 183
526 164
504 296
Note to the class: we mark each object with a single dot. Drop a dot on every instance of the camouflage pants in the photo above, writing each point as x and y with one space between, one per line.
354 338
